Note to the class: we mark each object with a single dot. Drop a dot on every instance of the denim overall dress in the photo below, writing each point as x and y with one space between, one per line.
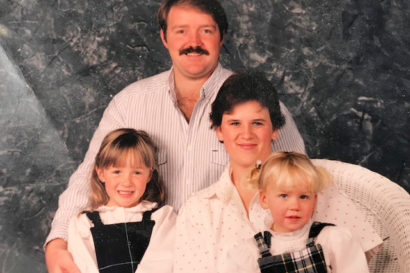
308 260
120 247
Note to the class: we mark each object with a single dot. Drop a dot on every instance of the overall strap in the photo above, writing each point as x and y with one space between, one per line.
314 231
94 217
263 242
147 214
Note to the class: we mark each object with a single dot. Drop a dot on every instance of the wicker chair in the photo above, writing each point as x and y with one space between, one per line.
386 206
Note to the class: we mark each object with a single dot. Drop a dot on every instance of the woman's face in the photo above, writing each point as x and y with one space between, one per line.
247 134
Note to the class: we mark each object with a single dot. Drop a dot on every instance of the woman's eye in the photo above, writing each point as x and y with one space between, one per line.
283 195
304 197
257 123
235 123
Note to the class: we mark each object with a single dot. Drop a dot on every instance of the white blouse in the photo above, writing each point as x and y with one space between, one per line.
157 258
214 220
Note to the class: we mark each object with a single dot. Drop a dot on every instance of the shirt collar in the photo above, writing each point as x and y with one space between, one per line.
222 189
300 233
208 89
171 84
225 186
140 207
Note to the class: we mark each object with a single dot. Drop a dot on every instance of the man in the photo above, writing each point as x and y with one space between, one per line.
173 107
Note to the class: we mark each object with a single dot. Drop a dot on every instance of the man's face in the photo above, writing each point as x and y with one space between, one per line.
193 42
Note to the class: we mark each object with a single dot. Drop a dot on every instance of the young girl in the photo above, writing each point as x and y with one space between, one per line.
124 230
288 186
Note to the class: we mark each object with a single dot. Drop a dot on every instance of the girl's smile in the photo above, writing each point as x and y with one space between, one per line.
125 184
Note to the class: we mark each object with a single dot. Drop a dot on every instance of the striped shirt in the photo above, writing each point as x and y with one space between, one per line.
190 156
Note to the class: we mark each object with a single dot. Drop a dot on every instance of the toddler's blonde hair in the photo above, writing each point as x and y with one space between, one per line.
286 169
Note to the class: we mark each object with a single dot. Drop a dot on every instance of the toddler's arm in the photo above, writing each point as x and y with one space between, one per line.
342 252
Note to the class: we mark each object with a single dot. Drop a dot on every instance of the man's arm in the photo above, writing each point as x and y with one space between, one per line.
289 137
76 197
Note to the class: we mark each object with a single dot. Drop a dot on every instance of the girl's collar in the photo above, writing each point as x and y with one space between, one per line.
141 206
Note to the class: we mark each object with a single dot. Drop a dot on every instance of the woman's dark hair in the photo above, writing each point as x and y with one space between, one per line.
244 87
117 147
211 7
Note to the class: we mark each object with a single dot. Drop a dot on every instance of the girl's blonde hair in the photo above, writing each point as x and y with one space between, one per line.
116 148
286 169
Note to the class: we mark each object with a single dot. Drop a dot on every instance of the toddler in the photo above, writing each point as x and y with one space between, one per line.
288 186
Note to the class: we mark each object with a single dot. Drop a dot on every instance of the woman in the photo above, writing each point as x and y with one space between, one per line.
216 222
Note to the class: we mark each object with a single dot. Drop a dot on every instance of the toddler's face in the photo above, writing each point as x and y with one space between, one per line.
125 184
291 207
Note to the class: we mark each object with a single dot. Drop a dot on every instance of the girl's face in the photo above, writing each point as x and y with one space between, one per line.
291 207
247 134
125 184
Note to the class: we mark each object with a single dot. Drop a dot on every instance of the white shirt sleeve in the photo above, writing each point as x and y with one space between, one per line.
159 255
81 244
289 138
343 254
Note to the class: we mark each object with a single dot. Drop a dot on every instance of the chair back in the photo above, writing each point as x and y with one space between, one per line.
386 207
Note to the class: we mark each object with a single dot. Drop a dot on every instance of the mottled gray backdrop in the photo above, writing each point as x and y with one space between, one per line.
341 67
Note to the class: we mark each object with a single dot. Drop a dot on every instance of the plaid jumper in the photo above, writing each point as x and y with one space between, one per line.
308 260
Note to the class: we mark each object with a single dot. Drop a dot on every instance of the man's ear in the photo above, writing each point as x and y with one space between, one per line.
262 199
163 38
100 174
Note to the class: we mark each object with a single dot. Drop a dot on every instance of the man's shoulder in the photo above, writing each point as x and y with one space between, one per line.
152 84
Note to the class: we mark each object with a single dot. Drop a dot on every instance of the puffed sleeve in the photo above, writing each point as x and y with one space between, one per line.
159 255
342 252
81 245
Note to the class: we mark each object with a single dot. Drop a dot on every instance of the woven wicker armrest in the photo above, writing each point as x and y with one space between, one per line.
385 205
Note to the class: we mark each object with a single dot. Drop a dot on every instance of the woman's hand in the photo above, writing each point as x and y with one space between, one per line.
58 259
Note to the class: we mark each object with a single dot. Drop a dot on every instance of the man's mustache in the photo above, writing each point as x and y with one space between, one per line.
191 49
